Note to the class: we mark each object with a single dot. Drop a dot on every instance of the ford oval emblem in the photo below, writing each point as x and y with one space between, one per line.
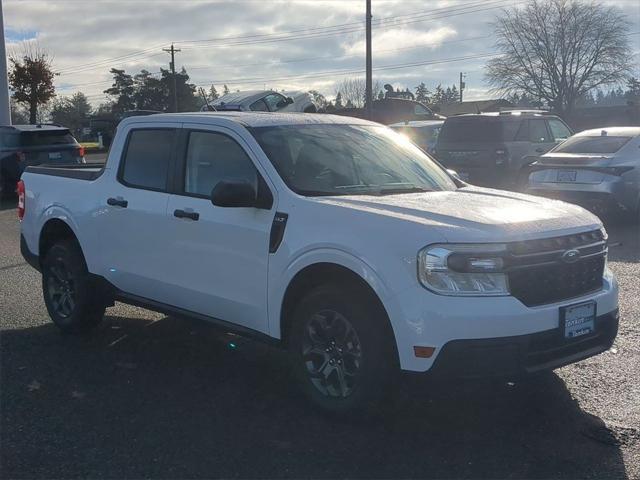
571 256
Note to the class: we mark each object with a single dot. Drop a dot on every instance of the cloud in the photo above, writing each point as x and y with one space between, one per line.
386 43
87 38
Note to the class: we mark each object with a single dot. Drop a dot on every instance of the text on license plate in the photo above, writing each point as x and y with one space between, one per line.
566 176
578 319
55 156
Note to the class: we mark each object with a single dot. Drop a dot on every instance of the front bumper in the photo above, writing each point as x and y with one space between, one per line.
522 354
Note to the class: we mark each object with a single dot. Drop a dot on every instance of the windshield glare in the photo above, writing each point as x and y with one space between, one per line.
325 159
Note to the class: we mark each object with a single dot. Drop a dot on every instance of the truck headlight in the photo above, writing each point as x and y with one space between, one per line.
464 269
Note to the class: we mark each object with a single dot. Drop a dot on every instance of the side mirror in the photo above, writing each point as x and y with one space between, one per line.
234 194
289 100
454 174
238 193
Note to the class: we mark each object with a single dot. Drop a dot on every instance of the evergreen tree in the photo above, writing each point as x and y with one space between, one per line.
422 93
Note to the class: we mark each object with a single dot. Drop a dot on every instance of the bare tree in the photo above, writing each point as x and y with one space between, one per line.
353 90
31 78
558 50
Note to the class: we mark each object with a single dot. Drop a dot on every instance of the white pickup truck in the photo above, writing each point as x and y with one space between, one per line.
333 237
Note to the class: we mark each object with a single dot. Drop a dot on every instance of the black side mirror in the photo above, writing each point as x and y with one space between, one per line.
237 193
289 100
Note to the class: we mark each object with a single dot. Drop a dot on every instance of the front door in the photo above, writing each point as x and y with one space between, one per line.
220 255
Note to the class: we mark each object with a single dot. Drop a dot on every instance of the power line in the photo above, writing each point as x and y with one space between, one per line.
284 36
346 71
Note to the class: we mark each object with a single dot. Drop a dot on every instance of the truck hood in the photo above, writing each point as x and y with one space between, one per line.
474 214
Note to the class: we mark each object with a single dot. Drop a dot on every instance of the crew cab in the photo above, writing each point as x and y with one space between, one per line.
333 237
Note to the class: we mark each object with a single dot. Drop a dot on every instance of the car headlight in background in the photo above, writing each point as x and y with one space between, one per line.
464 269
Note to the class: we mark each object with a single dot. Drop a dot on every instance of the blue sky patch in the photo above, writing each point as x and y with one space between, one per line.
13 36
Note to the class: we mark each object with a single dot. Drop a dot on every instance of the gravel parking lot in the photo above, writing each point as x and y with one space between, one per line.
151 396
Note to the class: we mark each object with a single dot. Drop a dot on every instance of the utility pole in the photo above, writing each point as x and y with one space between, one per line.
5 109
173 51
462 85
369 80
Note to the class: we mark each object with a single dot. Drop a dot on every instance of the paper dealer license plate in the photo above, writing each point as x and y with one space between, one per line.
578 320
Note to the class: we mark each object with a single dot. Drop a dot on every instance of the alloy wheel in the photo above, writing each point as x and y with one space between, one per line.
61 289
332 353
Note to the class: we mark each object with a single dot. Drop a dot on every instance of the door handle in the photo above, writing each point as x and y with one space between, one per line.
117 202
540 150
182 214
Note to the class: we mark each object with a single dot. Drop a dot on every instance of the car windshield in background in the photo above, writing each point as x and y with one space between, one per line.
45 138
590 145
477 130
316 160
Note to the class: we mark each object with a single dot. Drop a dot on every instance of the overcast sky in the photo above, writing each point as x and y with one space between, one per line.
267 43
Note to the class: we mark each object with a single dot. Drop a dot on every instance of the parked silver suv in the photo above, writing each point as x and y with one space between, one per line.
492 149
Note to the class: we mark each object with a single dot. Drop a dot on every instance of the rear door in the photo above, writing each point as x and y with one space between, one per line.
135 247
219 259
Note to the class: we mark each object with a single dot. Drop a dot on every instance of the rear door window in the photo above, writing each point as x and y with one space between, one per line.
259 106
538 132
275 102
147 158
559 130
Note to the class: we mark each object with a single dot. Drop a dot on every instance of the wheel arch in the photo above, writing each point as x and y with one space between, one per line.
52 230
321 273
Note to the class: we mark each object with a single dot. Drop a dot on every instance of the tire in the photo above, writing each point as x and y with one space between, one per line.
350 361
67 289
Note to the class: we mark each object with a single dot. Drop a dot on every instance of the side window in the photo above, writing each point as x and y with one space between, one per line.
259 106
146 161
538 131
523 132
275 102
213 157
559 130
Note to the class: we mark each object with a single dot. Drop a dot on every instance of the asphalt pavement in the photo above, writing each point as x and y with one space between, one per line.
150 396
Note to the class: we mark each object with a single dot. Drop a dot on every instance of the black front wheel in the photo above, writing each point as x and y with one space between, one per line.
68 294
342 349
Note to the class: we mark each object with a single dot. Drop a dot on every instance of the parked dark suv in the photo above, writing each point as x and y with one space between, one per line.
25 145
491 149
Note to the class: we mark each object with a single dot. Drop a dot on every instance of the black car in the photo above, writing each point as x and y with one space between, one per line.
393 110
25 145
495 149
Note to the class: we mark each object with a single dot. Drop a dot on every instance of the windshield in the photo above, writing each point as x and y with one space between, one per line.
601 144
316 160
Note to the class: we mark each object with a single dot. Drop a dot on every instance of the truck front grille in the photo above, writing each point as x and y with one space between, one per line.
539 273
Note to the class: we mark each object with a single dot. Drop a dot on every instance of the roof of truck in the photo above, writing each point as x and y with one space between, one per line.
252 119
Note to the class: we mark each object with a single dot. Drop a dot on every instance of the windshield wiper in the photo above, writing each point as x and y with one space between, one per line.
397 189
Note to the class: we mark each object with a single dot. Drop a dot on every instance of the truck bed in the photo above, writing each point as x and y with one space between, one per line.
84 171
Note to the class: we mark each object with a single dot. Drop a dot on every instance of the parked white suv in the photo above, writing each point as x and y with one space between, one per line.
333 237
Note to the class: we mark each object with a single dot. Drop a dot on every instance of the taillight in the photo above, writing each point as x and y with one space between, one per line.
81 152
20 190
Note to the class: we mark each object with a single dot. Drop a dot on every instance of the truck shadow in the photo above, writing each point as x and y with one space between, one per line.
175 398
